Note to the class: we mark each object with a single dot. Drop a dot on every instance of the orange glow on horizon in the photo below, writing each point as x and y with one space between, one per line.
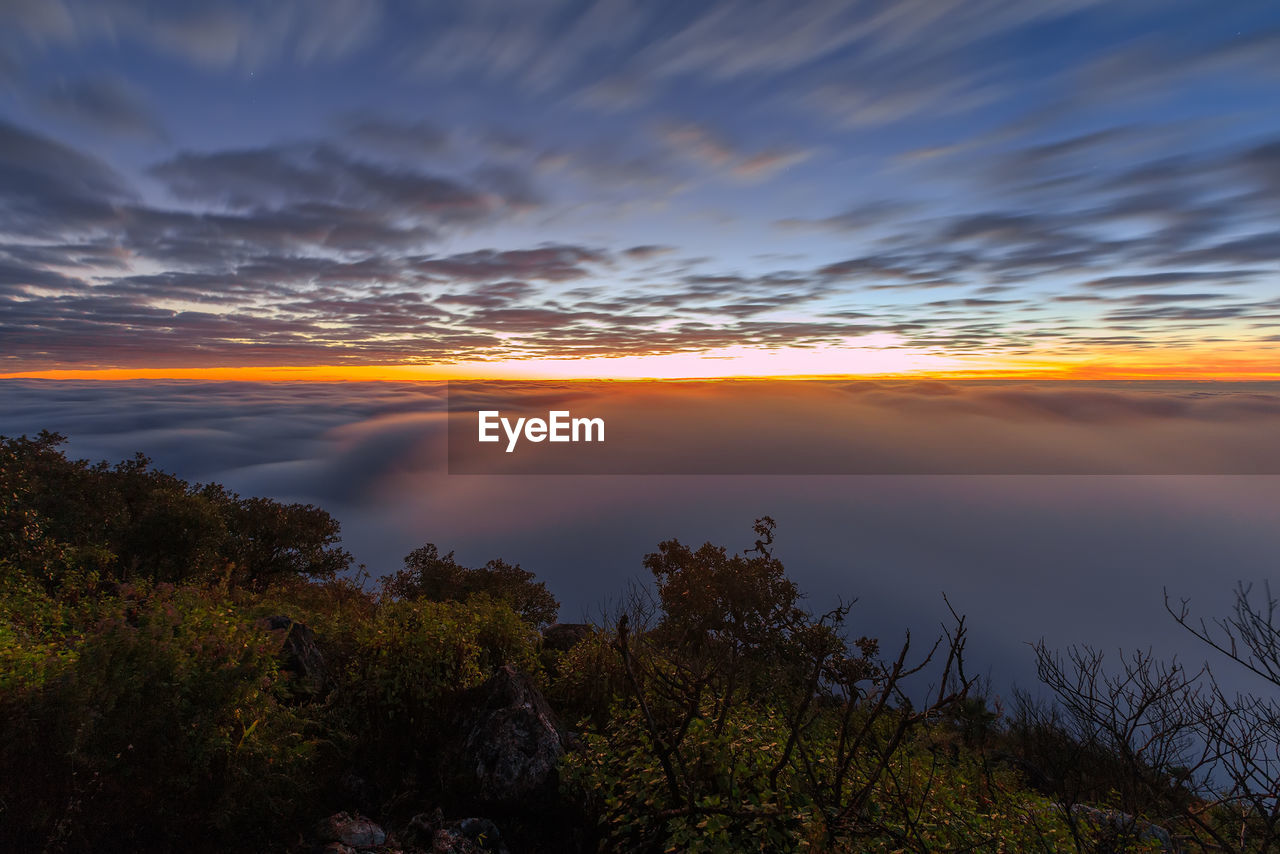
866 362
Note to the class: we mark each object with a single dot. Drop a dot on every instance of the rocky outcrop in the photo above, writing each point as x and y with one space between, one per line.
512 742
302 658
563 637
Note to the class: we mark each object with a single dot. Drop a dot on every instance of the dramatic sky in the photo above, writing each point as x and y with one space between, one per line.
685 188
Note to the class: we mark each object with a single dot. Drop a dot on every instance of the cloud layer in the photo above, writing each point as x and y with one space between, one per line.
1065 558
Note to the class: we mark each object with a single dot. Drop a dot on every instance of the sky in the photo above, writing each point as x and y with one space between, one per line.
342 189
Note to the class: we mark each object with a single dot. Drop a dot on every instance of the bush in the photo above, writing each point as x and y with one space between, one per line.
731 805
411 661
586 679
160 724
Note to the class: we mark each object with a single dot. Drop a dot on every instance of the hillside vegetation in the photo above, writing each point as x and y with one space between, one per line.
185 669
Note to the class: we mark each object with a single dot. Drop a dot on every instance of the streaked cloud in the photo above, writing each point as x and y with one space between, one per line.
300 183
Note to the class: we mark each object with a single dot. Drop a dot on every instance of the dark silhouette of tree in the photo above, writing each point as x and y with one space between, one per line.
725 639
429 575
132 522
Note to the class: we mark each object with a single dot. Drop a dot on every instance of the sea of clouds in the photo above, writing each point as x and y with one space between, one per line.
1066 558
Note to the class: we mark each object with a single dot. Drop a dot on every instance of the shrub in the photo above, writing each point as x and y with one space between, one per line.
586 680
731 803
161 724
410 661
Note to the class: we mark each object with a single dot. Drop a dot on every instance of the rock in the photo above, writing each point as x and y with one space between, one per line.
302 657
422 827
355 831
482 832
464 836
335 848
448 841
1125 827
512 742
565 636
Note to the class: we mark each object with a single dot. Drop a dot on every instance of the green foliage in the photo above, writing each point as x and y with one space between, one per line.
160 720
335 609
731 804
130 522
586 680
411 660
429 575
708 593
929 800
37 630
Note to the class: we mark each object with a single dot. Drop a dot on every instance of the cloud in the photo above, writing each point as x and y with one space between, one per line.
490 296
858 218
217 35
319 174
1148 280
18 278
548 263
330 251
647 251
702 144
52 189
105 105
412 139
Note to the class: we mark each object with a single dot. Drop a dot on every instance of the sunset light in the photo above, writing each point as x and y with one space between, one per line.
638 426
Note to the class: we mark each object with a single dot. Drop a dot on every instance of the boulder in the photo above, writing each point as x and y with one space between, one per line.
563 637
512 741
302 658
354 831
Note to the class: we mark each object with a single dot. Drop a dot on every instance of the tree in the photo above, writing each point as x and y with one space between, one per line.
1169 743
754 722
132 522
440 578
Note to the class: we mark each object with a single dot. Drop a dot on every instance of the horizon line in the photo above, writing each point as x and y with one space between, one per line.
425 373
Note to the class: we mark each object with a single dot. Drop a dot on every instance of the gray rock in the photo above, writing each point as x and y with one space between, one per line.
355 831
335 848
302 657
513 741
